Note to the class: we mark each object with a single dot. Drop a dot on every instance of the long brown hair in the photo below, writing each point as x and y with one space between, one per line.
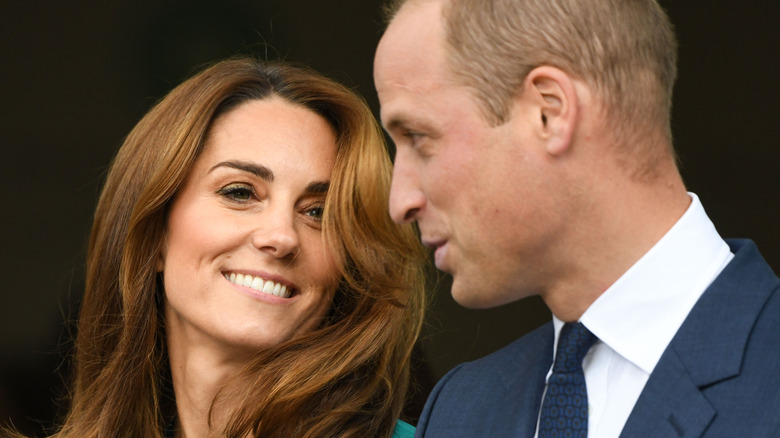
347 378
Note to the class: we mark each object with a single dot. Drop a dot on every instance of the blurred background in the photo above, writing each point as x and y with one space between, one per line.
76 76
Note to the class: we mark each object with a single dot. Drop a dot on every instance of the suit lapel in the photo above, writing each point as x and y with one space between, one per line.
707 349
671 404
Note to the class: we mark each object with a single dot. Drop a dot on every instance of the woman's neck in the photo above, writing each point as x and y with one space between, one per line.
199 370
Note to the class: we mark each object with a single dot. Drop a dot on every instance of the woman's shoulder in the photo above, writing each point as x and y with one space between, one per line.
403 430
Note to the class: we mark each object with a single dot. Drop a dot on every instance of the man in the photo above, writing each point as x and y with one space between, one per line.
534 151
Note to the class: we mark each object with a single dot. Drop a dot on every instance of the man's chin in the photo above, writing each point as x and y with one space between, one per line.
480 296
471 297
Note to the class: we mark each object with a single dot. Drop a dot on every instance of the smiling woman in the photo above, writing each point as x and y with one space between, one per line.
247 224
243 276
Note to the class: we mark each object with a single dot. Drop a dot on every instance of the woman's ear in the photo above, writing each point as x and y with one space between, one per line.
161 258
555 103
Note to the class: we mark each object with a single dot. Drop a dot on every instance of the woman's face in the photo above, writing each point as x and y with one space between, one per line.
244 262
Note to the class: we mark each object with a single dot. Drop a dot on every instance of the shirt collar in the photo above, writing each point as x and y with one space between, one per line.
640 313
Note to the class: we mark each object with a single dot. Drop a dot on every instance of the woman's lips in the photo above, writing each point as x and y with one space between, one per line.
259 284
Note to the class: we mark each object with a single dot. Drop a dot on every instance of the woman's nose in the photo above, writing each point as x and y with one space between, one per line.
276 235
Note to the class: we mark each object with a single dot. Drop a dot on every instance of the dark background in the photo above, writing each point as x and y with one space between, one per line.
76 76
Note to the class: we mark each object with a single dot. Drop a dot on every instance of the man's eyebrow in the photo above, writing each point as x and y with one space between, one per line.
396 123
253 168
404 122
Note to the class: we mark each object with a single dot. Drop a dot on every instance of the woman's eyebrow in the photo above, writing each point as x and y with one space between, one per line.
314 187
318 187
253 168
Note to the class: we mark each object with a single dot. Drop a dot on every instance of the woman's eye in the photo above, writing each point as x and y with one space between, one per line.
315 212
237 192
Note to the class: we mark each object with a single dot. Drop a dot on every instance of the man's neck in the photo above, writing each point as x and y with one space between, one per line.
620 221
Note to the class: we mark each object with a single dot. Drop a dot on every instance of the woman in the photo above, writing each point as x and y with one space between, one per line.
243 276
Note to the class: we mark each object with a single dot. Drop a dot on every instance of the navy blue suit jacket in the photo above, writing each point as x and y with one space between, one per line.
719 377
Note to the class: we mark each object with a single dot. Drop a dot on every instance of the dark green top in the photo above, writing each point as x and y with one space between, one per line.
403 430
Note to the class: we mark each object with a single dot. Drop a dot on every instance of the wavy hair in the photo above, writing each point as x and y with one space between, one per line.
346 378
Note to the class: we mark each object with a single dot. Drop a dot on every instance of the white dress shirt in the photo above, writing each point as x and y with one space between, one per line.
637 317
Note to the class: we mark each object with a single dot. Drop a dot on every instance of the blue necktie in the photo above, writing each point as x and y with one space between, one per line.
565 407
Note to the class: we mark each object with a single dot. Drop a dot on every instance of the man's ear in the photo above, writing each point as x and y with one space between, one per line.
554 98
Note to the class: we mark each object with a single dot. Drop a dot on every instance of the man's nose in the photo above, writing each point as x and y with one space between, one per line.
406 196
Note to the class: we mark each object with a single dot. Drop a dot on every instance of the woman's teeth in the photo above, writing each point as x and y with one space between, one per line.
260 285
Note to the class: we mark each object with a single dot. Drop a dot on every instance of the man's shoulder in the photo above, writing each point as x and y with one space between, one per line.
483 380
721 367
494 395
738 312
530 349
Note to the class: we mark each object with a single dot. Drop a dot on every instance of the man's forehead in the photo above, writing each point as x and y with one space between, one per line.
416 25
411 54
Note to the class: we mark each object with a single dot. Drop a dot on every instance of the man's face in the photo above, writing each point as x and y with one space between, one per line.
481 194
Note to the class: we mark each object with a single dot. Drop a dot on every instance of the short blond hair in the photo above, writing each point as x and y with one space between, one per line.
625 50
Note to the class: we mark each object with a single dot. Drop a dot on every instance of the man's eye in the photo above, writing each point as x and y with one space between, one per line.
412 136
237 192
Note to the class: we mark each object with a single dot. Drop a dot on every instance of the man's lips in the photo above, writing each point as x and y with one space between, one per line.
432 244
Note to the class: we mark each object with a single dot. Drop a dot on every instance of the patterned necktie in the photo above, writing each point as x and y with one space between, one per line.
565 408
